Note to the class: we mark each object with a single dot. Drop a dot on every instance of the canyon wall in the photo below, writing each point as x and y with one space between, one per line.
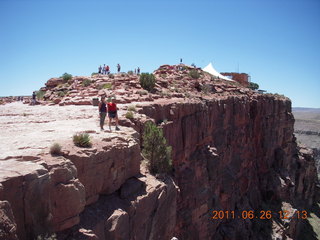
235 154
230 153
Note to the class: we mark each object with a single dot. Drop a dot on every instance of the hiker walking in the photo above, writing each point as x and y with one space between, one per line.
102 111
118 67
113 113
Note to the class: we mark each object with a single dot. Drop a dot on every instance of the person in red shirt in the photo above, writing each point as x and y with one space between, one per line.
112 113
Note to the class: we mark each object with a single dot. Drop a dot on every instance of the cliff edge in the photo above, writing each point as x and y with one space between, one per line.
238 172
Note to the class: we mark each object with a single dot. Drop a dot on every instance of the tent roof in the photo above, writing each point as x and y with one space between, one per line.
210 69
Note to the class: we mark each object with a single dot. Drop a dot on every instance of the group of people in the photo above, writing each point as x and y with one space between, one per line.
106 69
112 110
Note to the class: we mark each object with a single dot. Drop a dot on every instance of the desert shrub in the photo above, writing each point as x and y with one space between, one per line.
142 92
253 86
194 74
107 85
62 93
132 108
1 101
279 95
82 140
130 72
94 73
129 115
104 86
147 81
206 88
55 149
187 94
156 150
40 94
111 76
86 83
47 237
163 75
66 77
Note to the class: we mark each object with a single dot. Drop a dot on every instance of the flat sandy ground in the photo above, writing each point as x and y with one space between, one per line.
307 120
28 130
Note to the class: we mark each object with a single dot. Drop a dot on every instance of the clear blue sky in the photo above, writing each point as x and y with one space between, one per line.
276 41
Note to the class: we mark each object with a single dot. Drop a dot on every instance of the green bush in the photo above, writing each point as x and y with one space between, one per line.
86 83
129 115
107 85
147 81
55 149
94 73
62 93
155 149
130 72
82 140
206 88
40 94
194 74
104 86
253 86
132 108
66 77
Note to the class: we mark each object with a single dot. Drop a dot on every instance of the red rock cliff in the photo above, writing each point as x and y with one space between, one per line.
233 150
234 154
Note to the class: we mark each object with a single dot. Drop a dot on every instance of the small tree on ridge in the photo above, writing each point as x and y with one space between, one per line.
156 150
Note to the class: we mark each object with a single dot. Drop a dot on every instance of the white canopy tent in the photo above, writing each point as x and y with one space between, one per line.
210 69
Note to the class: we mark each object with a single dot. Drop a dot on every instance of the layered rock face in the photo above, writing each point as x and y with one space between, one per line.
234 154
47 194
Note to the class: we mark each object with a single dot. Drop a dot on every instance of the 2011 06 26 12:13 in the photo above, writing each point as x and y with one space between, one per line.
262 214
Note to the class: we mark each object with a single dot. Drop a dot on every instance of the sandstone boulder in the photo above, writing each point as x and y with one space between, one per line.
53 82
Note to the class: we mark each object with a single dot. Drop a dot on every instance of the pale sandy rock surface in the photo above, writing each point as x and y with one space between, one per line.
31 130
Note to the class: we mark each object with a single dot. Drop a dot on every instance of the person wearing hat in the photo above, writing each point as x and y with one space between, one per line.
113 113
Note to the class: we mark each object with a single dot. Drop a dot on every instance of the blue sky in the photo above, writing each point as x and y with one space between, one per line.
276 41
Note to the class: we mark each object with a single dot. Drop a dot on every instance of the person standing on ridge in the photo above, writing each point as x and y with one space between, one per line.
33 98
138 70
113 113
119 67
100 69
104 69
102 111
108 69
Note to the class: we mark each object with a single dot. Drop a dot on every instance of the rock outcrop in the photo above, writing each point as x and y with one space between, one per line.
233 151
